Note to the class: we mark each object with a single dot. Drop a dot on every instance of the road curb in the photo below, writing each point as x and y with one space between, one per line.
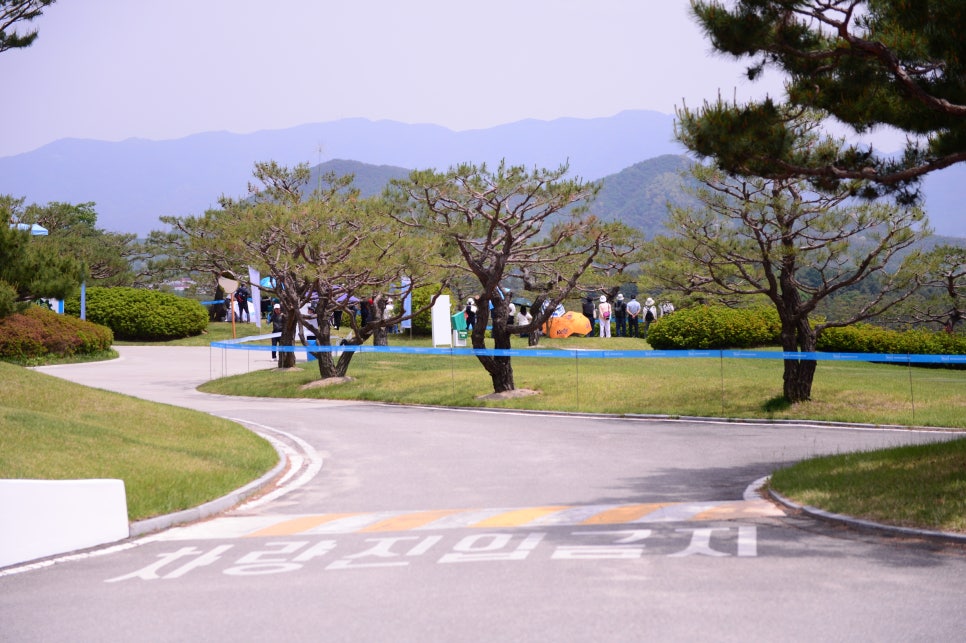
868 525
212 507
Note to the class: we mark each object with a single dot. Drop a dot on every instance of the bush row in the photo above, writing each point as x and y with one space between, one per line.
144 315
866 338
707 327
38 332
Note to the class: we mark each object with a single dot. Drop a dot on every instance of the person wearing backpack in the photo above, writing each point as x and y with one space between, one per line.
650 314
603 314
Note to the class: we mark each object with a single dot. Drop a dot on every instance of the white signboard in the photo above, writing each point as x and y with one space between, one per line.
442 324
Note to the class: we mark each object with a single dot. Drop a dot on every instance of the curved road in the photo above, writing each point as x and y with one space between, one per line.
414 524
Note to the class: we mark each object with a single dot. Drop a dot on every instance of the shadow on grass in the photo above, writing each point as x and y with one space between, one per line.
776 404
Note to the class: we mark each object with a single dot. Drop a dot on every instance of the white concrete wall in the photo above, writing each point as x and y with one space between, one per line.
40 518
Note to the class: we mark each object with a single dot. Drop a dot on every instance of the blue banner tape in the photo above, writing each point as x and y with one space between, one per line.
242 343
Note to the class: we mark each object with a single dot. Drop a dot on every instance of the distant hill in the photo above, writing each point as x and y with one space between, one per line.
369 179
133 182
639 195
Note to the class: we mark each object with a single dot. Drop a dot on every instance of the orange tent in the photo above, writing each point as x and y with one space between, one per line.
570 323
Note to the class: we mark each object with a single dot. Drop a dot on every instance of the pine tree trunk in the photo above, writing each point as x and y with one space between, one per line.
499 368
799 373
286 359
380 337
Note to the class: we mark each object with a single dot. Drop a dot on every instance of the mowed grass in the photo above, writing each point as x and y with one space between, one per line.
217 332
913 486
169 458
850 392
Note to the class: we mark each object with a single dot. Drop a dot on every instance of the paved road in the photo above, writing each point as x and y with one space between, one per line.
410 524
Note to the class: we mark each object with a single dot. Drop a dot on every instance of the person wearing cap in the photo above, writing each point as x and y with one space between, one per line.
620 315
388 312
604 314
650 314
278 324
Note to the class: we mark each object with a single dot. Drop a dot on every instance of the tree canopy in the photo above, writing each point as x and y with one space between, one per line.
72 231
867 63
29 268
13 12
779 239
495 225
330 252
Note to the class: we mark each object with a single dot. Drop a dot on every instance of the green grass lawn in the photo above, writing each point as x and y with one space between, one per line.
217 332
853 392
169 458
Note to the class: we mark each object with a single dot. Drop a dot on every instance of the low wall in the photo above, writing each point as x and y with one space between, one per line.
40 518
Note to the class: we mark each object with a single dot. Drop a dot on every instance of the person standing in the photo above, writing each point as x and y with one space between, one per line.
523 318
277 320
470 313
633 317
588 310
650 314
620 315
603 314
241 296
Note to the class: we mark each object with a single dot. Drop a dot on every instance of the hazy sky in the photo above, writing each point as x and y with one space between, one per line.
114 69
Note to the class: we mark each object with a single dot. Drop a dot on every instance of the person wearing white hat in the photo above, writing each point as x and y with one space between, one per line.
650 314
604 314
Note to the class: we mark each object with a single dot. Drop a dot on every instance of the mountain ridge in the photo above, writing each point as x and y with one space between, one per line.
136 180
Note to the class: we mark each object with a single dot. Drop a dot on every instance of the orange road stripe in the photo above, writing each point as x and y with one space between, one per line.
518 517
743 509
409 521
297 525
627 513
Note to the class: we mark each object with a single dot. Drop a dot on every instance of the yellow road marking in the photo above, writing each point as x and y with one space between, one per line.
410 521
627 513
518 516
744 509
298 525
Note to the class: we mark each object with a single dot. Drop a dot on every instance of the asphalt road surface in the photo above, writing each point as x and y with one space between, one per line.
416 524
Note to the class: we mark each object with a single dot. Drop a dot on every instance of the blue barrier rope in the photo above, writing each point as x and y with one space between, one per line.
557 353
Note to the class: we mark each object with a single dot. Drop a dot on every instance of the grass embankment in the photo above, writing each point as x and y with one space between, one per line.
920 486
169 458
915 486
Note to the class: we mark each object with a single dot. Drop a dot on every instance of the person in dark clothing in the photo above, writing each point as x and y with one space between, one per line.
241 296
278 324
590 312
470 313
620 315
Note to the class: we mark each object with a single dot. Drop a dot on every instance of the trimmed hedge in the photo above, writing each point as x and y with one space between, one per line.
38 332
707 327
866 338
142 315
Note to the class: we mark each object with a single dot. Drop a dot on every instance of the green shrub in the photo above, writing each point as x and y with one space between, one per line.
38 332
144 315
423 322
708 327
867 338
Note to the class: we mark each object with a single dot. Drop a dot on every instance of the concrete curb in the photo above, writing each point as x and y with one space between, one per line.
867 525
158 523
